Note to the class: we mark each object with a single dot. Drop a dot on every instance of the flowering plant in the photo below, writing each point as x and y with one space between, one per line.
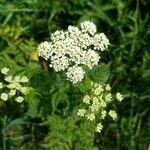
72 96
77 52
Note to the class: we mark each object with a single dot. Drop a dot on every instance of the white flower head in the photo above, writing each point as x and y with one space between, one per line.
59 63
95 107
24 79
5 70
86 99
119 97
103 114
12 92
58 36
99 127
92 58
4 96
17 78
73 31
75 74
88 27
108 88
103 104
74 47
108 97
91 116
23 90
18 86
77 55
98 90
11 86
84 40
45 50
19 99
101 42
112 114
8 78
81 112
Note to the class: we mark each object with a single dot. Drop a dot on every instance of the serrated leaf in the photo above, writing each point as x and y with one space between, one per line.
100 73
85 85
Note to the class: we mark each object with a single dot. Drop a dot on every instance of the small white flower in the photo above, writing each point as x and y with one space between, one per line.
23 90
77 55
112 114
81 112
18 86
12 92
101 42
86 99
108 88
108 97
59 63
73 31
119 97
84 41
4 96
19 99
99 127
90 117
11 86
75 74
58 35
103 104
95 99
88 27
17 79
95 107
24 79
103 114
45 50
8 78
1 85
92 58
98 90
5 70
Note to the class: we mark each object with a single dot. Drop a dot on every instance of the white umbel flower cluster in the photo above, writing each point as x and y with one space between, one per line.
73 49
88 27
12 87
75 74
94 105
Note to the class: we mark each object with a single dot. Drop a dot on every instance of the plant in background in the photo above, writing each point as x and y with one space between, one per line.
12 87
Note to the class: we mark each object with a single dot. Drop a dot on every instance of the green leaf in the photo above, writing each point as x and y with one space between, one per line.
100 73
85 85
33 101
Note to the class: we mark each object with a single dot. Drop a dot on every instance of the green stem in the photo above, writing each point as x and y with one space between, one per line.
3 133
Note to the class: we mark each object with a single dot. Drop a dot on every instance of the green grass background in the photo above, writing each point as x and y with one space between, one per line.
25 23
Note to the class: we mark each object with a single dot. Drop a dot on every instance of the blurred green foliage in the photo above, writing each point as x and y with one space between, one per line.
25 23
